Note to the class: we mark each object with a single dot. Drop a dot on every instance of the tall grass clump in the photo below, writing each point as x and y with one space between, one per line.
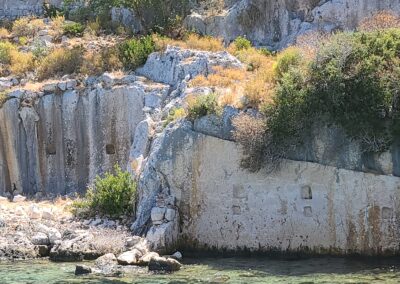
60 62
112 194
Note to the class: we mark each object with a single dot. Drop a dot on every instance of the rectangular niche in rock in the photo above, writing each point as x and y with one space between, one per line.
306 192
51 149
110 149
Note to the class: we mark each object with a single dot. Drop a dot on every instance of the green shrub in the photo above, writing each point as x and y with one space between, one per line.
242 43
73 29
351 83
5 52
202 105
290 57
134 52
113 195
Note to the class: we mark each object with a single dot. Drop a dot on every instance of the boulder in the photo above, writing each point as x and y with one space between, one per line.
177 255
130 257
54 236
145 259
79 247
132 241
108 259
19 198
34 212
43 250
164 264
40 239
81 269
172 66
47 214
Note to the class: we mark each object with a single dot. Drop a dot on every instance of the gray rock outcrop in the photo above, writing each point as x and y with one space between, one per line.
12 9
277 23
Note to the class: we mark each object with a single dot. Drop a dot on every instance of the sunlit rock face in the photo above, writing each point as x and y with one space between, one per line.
301 208
56 143
277 23
12 9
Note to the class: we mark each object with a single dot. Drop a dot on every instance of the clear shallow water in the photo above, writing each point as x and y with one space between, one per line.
220 270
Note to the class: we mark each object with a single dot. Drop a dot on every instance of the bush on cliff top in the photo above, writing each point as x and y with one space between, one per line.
112 194
351 82
134 52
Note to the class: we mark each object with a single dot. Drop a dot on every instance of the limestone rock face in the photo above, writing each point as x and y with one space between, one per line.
11 9
173 65
278 23
223 206
60 142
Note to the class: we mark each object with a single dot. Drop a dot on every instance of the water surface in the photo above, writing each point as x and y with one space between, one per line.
220 270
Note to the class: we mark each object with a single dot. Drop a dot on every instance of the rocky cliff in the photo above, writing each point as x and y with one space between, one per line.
277 23
193 194
57 140
326 198
12 9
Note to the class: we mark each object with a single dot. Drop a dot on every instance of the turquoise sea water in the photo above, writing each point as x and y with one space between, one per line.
220 270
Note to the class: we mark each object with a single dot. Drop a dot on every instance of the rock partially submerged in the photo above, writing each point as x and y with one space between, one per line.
164 264
81 269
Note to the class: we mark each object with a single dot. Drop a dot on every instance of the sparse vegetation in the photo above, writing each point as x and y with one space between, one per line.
112 194
202 105
190 41
60 61
27 27
73 29
3 98
99 62
5 52
21 62
242 43
380 21
175 114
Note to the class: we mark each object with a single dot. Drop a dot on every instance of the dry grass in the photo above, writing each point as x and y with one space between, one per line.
3 98
379 21
109 241
57 25
250 132
21 62
60 61
192 41
27 27
221 77
4 33
95 63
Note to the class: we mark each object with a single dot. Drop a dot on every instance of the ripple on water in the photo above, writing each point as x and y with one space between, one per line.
219 270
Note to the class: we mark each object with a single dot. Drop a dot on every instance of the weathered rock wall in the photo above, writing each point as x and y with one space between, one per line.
278 23
57 143
12 9
304 206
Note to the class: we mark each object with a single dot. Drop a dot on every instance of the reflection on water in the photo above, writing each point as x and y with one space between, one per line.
220 270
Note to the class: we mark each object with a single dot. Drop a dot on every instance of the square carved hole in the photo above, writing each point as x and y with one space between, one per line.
306 192
51 149
110 149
